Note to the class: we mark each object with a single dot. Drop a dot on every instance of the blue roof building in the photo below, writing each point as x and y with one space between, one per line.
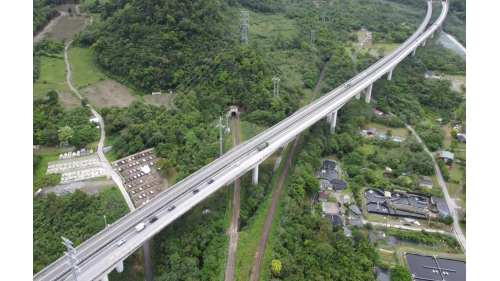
397 139
382 137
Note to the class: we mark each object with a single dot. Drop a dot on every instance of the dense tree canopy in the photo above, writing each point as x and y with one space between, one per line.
76 216
49 117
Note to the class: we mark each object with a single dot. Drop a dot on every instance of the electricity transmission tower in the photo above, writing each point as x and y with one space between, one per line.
313 32
71 255
244 35
323 17
276 91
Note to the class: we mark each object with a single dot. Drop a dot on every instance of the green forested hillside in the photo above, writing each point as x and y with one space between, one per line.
43 12
76 216
456 19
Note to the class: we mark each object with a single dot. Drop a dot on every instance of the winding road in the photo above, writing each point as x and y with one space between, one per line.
102 159
456 227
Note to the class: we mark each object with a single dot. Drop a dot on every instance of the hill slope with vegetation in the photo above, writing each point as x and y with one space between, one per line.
43 12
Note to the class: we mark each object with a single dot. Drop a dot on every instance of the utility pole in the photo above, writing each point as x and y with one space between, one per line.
105 224
313 32
220 134
276 91
244 35
71 255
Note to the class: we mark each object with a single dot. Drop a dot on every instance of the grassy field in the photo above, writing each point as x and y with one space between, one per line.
447 137
249 130
84 71
382 129
40 176
52 77
93 84
373 48
367 149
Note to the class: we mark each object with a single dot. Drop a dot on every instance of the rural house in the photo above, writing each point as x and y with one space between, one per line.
461 138
446 156
371 131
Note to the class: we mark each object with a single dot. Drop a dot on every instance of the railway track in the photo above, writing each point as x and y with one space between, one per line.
259 255
233 230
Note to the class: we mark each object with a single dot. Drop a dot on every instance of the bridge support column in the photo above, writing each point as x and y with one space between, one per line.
368 94
147 261
423 43
432 35
334 122
104 278
389 75
358 95
414 52
329 118
119 267
255 175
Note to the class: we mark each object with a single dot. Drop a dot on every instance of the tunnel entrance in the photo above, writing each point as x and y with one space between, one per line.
233 111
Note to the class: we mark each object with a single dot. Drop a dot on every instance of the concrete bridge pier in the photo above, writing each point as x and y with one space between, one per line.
119 267
329 118
255 175
104 278
389 75
432 35
358 95
423 43
333 122
414 52
368 93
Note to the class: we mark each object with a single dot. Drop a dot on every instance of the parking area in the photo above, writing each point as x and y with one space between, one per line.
77 169
140 177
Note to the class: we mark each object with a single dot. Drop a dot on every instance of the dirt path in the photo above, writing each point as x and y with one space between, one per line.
233 230
48 28
259 255
401 250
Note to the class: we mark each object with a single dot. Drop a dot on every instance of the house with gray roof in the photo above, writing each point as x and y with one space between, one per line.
355 210
356 222
371 131
446 156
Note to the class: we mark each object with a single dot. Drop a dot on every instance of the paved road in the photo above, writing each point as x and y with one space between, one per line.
102 159
451 43
409 227
456 227
94 254
233 229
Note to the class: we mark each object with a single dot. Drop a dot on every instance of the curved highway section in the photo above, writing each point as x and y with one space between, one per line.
99 255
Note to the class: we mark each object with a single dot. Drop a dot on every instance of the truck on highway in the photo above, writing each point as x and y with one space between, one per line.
263 145
140 226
